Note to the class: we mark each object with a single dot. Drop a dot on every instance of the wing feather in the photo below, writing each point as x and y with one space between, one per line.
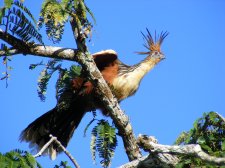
104 58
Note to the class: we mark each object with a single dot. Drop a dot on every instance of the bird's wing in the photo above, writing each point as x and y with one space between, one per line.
104 58
105 61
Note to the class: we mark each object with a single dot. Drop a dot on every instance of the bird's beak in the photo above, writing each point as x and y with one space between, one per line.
162 57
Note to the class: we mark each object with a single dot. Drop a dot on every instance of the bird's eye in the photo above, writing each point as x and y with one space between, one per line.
156 52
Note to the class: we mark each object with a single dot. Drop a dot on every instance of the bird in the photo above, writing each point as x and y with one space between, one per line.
80 97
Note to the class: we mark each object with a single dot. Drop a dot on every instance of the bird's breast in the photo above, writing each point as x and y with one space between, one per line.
125 85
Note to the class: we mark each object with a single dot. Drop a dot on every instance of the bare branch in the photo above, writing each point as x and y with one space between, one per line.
54 139
45 147
66 152
39 50
220 116
153 160
189 150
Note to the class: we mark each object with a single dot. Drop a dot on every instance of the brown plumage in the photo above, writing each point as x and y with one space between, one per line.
123 80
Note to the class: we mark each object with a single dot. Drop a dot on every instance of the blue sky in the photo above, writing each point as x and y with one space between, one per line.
171 97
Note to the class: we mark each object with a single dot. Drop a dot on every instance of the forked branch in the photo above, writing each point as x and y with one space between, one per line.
88 65
54 139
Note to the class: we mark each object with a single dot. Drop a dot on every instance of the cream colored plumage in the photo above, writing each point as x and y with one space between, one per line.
81 97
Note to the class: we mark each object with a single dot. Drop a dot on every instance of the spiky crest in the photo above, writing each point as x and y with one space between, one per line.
153 44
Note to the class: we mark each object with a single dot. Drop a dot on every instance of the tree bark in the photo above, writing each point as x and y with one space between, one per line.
166 155
159 155
88 65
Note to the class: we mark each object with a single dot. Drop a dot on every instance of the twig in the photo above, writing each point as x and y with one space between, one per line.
66 152
220 116
54 139
45 147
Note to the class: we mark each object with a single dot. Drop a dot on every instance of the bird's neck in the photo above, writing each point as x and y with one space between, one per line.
129 77
142 68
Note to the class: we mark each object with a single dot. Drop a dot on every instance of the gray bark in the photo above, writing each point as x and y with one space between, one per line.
88 65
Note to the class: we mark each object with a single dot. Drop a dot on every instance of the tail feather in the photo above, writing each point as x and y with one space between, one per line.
59 122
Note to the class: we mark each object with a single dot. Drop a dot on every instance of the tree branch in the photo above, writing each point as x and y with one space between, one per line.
194 150
54 139
88 65
39 50
153 160
106 97
66 152
45 147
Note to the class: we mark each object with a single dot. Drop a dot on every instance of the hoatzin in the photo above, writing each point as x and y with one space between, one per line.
124 80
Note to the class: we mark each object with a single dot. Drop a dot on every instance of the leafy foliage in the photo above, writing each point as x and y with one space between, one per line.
19 21
8 3
54 16
45 76
55 13
65 78
63 164
18 159
209 133
103 141
63 81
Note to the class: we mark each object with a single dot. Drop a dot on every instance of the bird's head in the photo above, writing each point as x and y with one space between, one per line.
154 45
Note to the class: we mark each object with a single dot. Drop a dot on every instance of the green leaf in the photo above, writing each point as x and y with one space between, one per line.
18 159
196 124
88 125
208 131
54 16
182 137
8 3
201 140
223 145
2 13
104 142
63 164
206 148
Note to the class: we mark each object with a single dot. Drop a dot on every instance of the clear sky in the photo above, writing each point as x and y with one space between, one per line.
189 82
